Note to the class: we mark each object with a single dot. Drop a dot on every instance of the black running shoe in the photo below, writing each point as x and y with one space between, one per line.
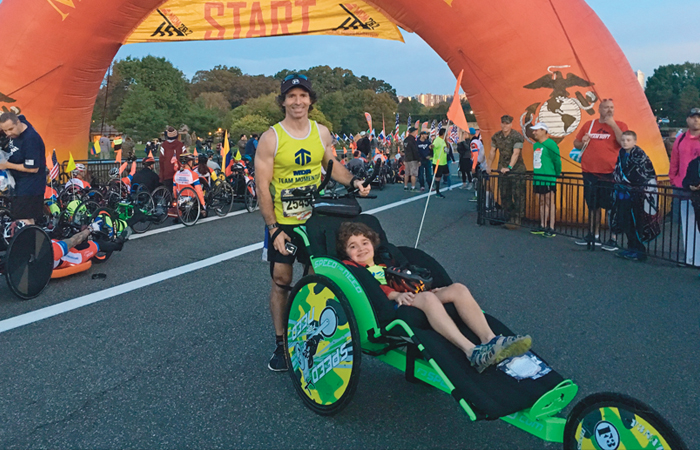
278 363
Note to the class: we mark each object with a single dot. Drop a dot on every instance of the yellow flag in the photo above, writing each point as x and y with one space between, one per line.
71 163
238 156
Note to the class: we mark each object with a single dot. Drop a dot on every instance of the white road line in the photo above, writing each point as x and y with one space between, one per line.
69 305
95 297
176 227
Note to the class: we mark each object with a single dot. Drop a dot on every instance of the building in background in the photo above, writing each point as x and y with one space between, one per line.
641 78
431 100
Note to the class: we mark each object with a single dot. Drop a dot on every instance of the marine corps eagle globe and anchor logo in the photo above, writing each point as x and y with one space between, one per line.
561 113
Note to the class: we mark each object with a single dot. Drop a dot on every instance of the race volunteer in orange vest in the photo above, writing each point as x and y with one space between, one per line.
290 156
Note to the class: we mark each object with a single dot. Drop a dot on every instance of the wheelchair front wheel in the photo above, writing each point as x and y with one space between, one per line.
323 345
188 206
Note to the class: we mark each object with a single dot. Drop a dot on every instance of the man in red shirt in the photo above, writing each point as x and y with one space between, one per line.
685 149
599 140
170 151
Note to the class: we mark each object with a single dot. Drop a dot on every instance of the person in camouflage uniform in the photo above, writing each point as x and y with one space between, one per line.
509 144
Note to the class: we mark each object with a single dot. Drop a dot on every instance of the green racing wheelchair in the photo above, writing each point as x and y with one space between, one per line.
338 315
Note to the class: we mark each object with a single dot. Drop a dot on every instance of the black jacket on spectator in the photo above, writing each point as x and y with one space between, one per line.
410 149
146 177
363 146
692 178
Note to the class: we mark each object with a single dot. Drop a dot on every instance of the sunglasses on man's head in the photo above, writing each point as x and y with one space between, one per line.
291 76
695 112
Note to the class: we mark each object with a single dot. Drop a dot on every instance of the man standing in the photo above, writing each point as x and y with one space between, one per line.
27 164
290 157
242 143
411 158
425 167
509 144
105 147
600 140
685 149
440 159
251 146
363 144
465 159
170 152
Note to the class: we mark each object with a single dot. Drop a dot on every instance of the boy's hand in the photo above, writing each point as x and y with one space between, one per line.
405 298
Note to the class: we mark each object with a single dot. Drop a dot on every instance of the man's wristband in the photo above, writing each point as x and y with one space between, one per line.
352 182
510 167
273 226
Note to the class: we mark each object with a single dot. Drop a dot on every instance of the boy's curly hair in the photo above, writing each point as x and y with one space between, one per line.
349 229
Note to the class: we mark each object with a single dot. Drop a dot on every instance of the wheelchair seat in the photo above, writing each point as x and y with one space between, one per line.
490 395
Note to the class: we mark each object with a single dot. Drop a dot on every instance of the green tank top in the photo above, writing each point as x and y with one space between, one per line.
297 165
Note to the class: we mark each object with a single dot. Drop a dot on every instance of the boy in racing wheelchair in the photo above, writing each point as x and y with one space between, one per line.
358 241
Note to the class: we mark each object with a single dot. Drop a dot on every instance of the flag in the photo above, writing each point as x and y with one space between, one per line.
454 134
396 129
373 133
118 157
368 116
54 169
381 135
195 152
150 154
71 163
456 113
95 146
433 130
345 137
418 124
439 125
408 124
383 127
225 148
335 153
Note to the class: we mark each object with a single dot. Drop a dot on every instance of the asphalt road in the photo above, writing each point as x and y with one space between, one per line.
182 363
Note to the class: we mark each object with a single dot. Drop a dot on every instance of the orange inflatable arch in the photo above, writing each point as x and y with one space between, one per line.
553 60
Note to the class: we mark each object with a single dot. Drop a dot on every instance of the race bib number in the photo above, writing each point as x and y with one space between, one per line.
537 159
295 207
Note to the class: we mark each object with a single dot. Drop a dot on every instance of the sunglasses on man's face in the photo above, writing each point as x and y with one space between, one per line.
291 76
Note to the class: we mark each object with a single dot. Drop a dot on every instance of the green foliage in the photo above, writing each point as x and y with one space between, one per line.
326 80
236 87
140 117
201 119
673 89
252 123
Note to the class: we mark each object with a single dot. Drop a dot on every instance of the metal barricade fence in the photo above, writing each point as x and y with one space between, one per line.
98 170
662 215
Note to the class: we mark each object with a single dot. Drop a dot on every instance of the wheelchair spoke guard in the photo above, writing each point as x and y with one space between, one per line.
610 421
323 345
29 262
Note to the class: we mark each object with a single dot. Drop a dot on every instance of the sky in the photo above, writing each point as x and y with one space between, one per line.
651 33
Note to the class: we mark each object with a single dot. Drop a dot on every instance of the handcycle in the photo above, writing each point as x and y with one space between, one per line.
242 180
339 314
218 197
27 259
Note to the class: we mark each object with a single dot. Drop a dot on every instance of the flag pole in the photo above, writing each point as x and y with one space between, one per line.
430 191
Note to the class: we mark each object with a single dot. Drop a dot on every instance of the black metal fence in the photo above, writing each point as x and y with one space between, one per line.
659 216
98 170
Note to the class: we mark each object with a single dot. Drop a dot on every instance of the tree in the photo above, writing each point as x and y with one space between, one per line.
236 87
673 89
202 119
140 116
252 123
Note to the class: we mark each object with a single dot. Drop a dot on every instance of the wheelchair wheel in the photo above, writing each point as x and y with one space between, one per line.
188 207
5 219
221 199
143 203
69 194
162 199
323 345
29 262
250 197
609 420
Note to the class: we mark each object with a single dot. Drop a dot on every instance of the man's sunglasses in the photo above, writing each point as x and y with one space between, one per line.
291 76
694 112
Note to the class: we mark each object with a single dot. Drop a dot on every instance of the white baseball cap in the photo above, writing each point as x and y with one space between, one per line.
540 126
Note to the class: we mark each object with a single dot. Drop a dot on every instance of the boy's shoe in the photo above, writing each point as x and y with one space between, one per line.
422 189
482 357
589 239
464 186
539 229
414 191
610 246
439 195
278 363
405 188
549 233
509 346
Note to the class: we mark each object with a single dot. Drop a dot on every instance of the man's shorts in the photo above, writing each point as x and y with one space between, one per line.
598 190
442 170
412 168
544 188
274 256
27 207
